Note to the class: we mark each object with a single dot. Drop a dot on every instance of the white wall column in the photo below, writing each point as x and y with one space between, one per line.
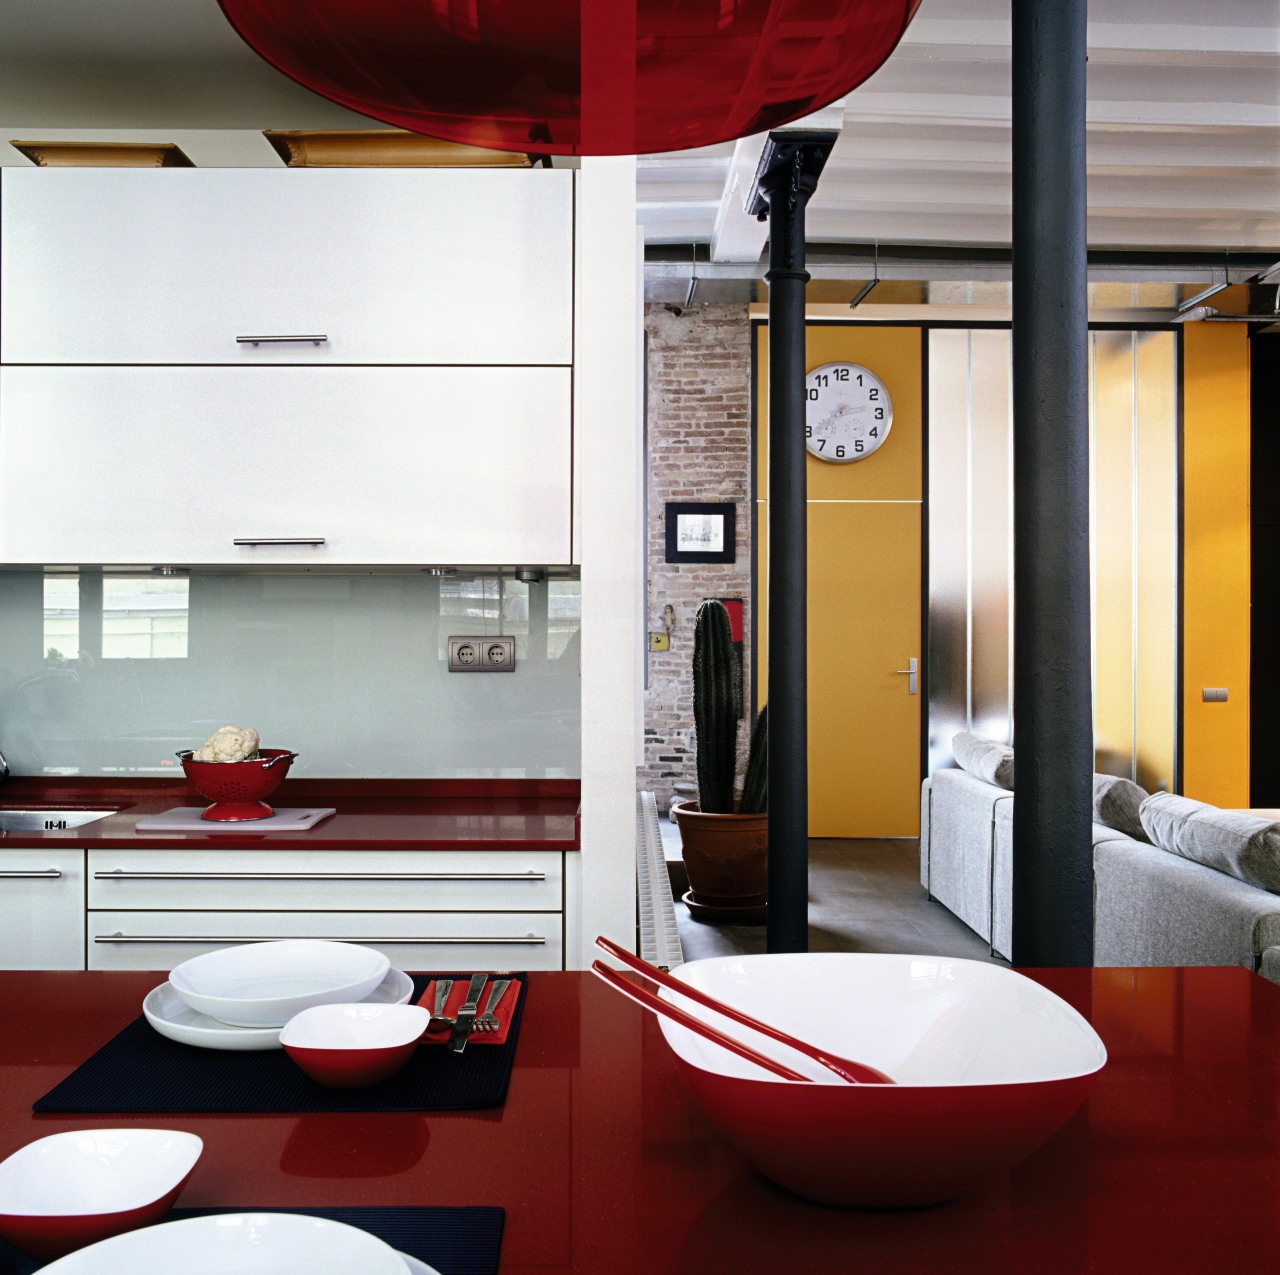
607 539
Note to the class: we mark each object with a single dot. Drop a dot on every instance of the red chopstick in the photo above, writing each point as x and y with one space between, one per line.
855 1073
651 1000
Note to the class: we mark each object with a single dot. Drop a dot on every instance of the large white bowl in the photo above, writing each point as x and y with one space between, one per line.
988 1066
171 1016
247 1243
266 984
78 1187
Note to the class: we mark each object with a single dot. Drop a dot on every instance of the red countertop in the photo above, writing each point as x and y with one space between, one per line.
605 1166
426 814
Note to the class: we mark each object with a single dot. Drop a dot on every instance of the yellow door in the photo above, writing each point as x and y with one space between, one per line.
864 597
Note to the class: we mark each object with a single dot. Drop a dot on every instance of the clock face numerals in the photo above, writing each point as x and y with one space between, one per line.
847 412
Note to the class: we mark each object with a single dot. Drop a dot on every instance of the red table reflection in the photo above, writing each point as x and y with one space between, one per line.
604 1165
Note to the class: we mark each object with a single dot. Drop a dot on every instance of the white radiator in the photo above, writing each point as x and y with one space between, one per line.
659 935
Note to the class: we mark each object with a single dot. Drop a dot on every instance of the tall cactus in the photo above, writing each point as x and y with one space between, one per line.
755 787
714 719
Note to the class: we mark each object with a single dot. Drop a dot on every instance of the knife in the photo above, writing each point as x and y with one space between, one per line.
467 1013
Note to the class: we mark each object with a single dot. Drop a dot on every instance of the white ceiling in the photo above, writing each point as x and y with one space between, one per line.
1183 122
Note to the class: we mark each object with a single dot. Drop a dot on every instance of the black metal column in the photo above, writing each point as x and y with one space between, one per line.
787 176
1053 721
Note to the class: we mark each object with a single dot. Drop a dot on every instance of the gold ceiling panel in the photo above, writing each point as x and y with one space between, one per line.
384 148
103 154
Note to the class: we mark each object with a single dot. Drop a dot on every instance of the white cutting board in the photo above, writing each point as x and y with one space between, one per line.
187 819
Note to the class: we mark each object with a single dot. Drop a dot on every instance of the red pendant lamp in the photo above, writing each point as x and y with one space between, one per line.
577 77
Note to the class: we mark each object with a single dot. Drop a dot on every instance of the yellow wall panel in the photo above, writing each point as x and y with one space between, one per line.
864 597
1215 625
893 354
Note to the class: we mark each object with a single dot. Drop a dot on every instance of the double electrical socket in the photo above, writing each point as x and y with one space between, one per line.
482 655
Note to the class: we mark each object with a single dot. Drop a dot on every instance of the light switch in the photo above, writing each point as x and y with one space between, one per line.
1215 694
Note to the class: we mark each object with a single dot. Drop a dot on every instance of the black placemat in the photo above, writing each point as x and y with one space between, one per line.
456 1241
140 1071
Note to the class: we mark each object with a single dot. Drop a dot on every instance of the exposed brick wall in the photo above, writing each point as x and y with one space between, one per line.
699 435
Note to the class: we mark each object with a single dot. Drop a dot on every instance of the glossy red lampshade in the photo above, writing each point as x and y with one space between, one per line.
577 77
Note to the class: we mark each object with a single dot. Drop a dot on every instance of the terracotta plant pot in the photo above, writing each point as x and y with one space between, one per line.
727 859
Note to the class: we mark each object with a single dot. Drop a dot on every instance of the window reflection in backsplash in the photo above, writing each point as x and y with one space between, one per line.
109 673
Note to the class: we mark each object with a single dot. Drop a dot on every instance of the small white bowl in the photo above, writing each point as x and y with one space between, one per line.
343 1046
78 1187
247 1243
266 984
171 1016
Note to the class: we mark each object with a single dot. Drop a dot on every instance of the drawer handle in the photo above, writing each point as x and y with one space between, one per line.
118 937
48 873
277 540
315 339
120 874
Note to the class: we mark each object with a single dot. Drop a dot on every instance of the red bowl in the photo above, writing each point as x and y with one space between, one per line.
988 1066
344 1046
236 788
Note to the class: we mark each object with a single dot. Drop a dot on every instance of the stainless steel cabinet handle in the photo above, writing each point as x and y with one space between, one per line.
120 874
118 937
315 339
912 672
278 540
48 873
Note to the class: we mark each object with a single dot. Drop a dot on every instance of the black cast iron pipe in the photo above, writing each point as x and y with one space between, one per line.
1053 718
785 179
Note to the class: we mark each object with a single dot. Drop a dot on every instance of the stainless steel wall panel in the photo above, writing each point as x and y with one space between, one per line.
949 412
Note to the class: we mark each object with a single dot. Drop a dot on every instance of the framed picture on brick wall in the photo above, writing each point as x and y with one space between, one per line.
700 532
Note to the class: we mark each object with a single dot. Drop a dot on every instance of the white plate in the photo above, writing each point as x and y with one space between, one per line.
266 984
171 1016
247 1243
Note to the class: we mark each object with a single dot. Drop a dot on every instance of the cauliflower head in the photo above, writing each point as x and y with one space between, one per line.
229 743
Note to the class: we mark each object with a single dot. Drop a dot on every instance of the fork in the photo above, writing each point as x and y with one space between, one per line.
488 1021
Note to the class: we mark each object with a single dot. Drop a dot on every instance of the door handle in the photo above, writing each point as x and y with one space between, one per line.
912 673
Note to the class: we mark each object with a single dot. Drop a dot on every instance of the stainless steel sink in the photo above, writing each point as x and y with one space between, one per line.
48 820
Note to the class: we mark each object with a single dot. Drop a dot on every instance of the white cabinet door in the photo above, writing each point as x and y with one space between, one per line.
42 909
412 940
328 880
388 266
384 465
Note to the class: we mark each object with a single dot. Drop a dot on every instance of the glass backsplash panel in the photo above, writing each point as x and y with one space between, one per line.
110 673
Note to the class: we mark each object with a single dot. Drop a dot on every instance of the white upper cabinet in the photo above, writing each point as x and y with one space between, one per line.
161 266
255 466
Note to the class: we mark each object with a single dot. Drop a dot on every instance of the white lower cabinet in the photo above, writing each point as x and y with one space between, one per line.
42 909
151 909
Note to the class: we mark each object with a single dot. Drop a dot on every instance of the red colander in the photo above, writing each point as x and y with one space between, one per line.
236 788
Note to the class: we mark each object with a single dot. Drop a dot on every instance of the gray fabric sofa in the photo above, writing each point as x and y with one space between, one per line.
1151 906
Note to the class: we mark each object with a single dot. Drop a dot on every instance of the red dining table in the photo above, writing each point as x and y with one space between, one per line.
604 1164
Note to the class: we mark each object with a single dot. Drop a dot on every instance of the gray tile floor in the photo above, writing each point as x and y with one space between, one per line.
864 896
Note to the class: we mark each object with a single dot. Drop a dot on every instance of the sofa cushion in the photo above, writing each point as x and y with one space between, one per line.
984 758
1115 803
1239 844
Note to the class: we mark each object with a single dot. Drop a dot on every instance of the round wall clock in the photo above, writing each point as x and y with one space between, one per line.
848 413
